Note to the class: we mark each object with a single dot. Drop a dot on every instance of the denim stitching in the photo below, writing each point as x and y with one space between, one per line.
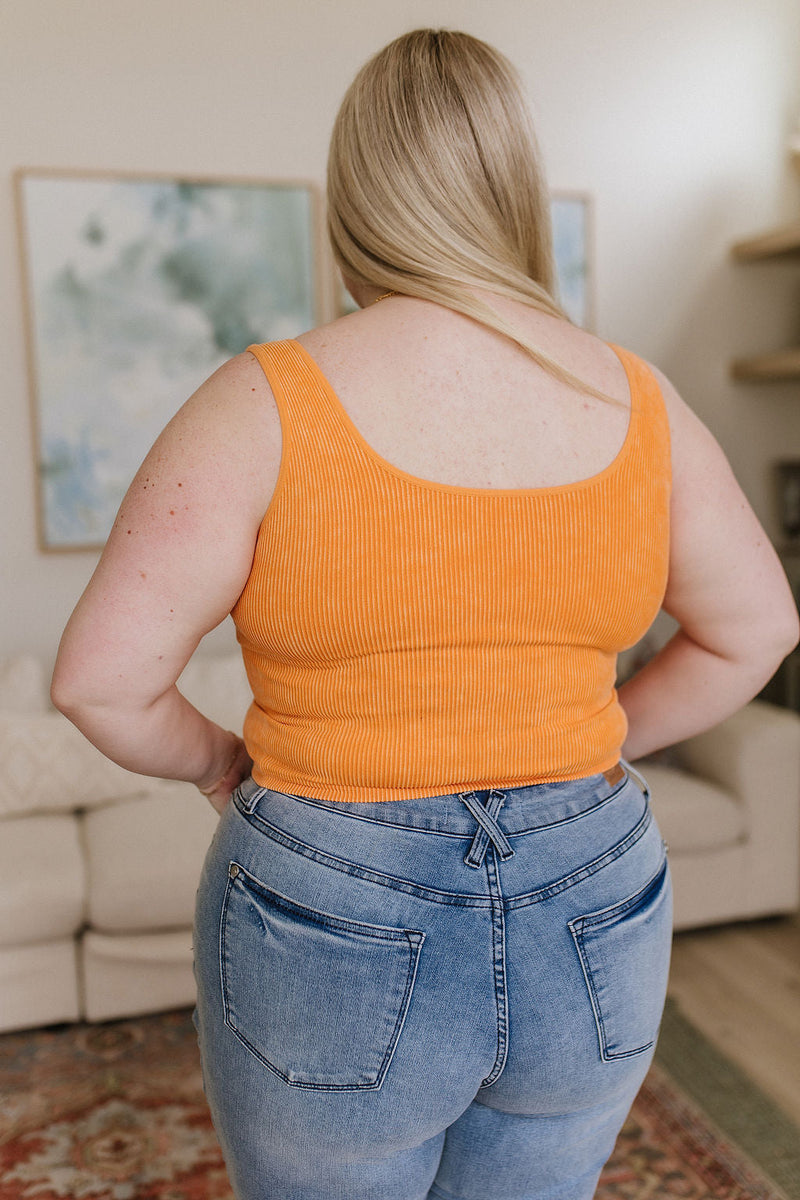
577 928
223 972
586 812
433 894
552 889
466 899
414 940
414 828
250 803
498 968
609 916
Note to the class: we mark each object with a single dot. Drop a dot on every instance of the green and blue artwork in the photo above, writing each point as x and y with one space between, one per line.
138 290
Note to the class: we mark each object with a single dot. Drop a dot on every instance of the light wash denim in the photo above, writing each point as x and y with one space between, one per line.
454 997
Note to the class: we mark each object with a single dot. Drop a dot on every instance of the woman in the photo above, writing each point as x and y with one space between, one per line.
433 928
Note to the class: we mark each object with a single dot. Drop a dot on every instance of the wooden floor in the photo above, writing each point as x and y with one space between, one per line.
740 985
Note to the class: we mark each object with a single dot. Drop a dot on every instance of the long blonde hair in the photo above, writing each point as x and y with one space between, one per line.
435 185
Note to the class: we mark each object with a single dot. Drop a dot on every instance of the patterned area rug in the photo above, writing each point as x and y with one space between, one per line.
116 1112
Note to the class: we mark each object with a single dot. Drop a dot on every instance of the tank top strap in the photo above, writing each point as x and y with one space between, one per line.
309 422
315 428
644 387
649 434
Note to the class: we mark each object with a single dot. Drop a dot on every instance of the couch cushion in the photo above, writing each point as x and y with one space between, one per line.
144 859
693 814
42 881
23 687
39 984
126 974
46 764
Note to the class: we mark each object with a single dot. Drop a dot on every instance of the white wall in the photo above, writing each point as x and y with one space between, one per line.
673 115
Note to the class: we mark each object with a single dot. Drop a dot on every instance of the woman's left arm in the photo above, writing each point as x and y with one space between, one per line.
174 566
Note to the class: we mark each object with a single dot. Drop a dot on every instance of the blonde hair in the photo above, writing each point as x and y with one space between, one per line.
435 185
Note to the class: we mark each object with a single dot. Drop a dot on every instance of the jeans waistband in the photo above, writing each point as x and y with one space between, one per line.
524 808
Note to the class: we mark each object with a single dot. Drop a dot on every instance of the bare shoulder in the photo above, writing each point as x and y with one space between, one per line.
678 411
229 430
714 531
697 457
344 335
238 385
211 449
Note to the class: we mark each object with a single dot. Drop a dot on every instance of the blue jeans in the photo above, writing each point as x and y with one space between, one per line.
454 997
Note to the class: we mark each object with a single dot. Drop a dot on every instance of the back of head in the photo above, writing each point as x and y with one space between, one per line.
434 184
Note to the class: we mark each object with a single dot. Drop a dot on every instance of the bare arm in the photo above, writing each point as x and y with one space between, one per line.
176 562
726 589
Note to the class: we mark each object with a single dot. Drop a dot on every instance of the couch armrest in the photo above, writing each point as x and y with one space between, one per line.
755 756
760 742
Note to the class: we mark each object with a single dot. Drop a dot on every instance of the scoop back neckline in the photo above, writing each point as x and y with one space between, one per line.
349 424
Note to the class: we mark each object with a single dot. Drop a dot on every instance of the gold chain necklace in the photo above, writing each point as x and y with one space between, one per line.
385 296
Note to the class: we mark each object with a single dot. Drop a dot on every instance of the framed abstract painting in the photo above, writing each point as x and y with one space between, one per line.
137 288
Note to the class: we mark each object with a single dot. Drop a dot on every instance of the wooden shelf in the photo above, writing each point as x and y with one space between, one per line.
776 242
766 368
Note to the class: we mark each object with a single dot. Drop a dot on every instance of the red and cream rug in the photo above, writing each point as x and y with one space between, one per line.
116 1112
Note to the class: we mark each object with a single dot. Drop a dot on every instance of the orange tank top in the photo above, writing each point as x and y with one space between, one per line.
405 638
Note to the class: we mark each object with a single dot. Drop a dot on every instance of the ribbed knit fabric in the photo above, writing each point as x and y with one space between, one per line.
405 638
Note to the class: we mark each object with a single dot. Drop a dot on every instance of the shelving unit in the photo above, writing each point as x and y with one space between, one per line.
780 243
783 364
783 242
775 243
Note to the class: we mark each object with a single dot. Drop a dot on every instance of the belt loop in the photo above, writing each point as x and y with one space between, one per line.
640 779
248 794
488 829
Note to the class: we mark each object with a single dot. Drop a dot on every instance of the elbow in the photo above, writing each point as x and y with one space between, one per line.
790 633
759 643
787 625
780 637
68 692
63 693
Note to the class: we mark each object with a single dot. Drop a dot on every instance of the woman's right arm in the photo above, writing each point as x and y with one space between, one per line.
726 589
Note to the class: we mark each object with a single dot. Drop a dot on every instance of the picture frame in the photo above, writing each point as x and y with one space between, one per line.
573 250
136 288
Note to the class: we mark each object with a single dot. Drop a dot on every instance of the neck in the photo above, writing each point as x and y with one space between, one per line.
365 294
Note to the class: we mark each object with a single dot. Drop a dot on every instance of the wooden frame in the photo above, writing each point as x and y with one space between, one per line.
137 287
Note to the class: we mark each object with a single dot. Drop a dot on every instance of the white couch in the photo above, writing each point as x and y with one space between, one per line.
99 867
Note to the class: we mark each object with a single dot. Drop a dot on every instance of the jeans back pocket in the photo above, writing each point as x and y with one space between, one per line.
319 999
624 953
